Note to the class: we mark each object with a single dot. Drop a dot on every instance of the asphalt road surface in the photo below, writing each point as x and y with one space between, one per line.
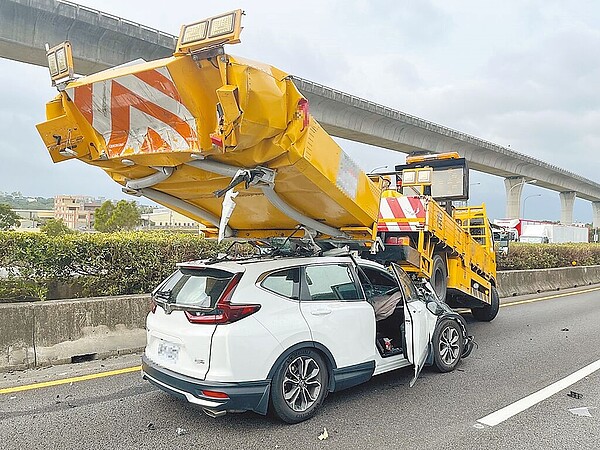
525 350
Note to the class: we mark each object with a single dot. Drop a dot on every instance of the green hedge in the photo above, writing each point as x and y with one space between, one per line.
85 265
546 256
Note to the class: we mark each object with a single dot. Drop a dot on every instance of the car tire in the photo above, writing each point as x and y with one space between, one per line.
299 386
488 312
447 345
439 277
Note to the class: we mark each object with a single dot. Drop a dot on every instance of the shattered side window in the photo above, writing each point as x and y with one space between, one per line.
410 291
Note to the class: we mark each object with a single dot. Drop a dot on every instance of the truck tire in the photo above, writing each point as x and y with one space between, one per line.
448 345
299 386
488 312
439 277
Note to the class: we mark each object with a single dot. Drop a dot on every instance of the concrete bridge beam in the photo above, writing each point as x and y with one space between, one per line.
99 40
567 200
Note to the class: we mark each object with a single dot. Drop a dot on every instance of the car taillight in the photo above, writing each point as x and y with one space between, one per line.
224 311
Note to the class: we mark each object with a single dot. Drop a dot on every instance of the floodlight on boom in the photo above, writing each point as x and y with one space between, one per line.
60 62
217 30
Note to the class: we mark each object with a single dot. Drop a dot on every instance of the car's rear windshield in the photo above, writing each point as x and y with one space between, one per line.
200 287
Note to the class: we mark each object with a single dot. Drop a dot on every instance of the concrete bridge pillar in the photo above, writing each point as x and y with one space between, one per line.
567 200
514 186
596 214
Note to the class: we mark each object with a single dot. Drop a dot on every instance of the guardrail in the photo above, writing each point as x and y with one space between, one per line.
63 331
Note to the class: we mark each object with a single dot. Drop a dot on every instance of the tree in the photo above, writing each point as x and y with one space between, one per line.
102 216
8 218
55 227
122 216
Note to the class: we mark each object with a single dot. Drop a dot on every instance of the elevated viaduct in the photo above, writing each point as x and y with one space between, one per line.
102 40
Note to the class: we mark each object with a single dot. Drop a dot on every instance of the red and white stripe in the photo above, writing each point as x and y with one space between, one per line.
137 113
401 208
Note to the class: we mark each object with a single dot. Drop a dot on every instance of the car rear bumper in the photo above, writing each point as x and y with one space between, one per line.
243 396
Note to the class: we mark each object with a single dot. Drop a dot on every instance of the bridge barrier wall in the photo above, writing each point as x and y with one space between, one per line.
63 331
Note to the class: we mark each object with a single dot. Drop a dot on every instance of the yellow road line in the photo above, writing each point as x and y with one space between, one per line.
539 299
92 376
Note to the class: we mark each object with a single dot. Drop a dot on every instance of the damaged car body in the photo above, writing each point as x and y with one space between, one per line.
280 333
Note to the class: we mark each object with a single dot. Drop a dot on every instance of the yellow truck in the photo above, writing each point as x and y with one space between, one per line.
230 143
451 246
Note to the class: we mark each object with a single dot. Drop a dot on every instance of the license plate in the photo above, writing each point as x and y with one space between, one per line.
168 352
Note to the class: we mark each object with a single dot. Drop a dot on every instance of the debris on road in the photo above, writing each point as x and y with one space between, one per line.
324 435
151 426
583 411
181 431
564 329
479 426
574 394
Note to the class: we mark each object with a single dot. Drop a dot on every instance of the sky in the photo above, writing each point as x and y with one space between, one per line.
522 74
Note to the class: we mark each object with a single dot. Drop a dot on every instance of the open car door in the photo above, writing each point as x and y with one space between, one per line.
417 329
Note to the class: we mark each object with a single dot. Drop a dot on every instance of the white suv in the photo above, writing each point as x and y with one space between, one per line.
281 333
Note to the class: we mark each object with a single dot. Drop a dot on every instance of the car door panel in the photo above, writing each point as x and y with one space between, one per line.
418 336
345 326
418 327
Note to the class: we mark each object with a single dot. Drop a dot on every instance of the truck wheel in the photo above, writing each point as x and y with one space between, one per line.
299 386
439 277
447 345
488 312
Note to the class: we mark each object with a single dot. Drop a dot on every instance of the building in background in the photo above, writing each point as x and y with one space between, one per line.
76 211
32 219
165 219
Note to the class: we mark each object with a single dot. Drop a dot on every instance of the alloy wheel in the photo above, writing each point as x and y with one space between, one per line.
449 345
301 383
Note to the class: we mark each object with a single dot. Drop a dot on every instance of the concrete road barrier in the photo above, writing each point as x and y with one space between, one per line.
16 336
521 282
63 331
